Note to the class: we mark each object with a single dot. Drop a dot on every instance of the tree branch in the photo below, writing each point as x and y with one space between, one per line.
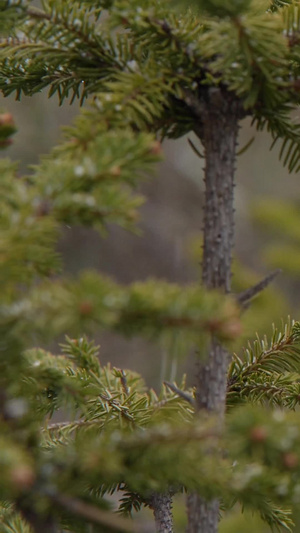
93 514
244 298
187 397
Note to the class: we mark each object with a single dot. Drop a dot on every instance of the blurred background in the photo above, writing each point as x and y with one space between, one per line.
169 244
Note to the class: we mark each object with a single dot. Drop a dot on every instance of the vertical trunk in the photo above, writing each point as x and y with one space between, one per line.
161 504
39 524
219 137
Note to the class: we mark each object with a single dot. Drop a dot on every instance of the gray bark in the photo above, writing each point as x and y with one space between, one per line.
219 131
39 524
161 504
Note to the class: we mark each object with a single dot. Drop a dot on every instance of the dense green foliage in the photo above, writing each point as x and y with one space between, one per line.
149 70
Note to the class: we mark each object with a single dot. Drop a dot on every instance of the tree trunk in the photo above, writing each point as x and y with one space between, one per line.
161 504
219 131
38 523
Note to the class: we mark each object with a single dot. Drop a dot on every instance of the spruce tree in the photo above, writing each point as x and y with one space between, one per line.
145 72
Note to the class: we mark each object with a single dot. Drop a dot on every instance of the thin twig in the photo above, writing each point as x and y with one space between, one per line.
61 425
93 514
124 383
187 397
195 149
244 298
38 13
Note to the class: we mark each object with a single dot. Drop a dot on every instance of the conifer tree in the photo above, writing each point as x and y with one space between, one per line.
149 71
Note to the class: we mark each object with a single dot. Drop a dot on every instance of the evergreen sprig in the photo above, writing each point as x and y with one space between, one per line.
268 371
153 309
11 520
118 448
27 240
59 46
68 48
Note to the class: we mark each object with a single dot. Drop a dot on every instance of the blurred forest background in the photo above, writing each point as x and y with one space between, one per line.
168 245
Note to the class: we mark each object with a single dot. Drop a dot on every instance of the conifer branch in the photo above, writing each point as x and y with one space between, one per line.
57 426
268 371
281 354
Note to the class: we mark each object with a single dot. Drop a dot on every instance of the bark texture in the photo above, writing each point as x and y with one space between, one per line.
219 130
161 504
